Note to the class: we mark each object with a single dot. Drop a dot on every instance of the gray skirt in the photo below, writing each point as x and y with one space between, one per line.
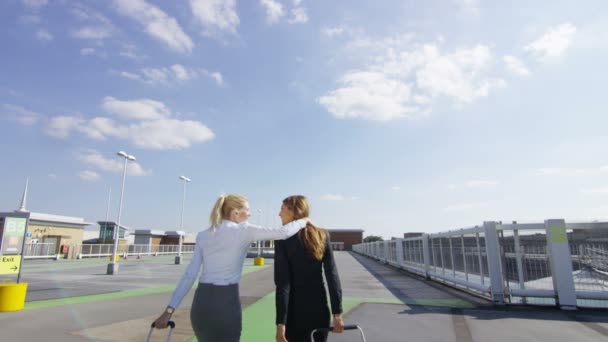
216 313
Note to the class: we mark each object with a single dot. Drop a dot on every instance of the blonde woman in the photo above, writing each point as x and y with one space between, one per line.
299 265
221 251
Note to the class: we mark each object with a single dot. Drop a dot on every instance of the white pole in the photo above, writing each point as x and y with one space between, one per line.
260 242
108 210
113 266
178 259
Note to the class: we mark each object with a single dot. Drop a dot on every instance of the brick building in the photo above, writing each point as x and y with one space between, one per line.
344 239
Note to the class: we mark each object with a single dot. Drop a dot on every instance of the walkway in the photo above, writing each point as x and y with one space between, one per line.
73 300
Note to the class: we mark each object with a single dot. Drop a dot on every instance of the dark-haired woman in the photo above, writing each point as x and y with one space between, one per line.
301 300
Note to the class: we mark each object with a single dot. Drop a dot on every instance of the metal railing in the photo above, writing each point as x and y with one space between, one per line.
267 252
44 250
49 250
550 263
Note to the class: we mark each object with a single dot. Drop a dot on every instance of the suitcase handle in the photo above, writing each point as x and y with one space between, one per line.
346 327
153 325
170 324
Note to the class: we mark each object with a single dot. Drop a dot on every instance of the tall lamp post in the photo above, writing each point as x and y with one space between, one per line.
178 258
113 265
260 242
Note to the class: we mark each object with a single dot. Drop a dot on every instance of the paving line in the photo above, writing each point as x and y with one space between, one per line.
259 317
49 303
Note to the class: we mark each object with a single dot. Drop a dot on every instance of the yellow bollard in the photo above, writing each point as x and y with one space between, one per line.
12 296
117 257
259 261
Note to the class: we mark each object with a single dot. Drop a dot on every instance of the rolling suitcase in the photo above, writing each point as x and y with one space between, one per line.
346 327
171 327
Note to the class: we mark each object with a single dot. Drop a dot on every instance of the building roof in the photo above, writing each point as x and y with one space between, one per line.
149 232
175 233
112 223
346 230
58 219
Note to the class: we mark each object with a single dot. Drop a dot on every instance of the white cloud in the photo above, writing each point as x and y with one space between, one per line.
153 127
332 197
368 95
215 16
169 134
89 176
116 165
85 13
600 190
477 183
87 51
19 114
456 75
554 43
97 128
274 10
130 51
216 76
62 126
180 72
471 6
474 183
298 16
92 32
156 75
143 109
331 32
336 197
174 73
404 82
44 35
515 66
569 172
52 176
35 3
130 75
463 207
156 23
100 128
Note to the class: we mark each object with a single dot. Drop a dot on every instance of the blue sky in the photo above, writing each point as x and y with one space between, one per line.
390 116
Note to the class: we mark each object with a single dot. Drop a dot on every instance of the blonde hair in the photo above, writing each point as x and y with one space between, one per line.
314 238
224 205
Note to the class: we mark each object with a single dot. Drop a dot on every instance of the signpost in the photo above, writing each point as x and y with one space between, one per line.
10 264
12 243
14 233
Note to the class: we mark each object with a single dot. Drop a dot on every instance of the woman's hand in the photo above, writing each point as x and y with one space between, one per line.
338 324
163 321
281 333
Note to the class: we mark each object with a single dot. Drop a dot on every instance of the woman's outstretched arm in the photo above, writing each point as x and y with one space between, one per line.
259 233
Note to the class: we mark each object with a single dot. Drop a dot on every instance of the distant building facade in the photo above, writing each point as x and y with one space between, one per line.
344 239
412 234
56 230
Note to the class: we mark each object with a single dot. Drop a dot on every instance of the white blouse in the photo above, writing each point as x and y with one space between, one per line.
222 252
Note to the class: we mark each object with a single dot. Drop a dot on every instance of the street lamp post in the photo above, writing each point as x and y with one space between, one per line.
260 242
113 265
178 258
